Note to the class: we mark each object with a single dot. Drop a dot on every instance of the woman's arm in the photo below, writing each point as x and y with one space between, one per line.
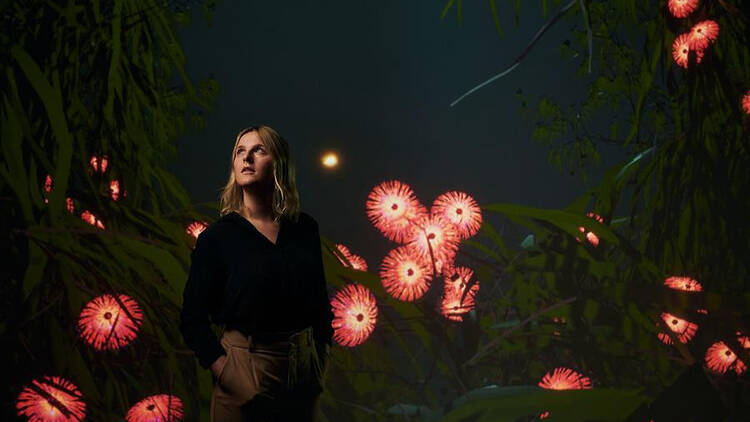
204 279
323 331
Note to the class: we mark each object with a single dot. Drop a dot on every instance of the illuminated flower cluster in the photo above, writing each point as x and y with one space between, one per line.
196 228
354 261
592 238
701 35
108 323
683 283
457 300
158 408
52 399
683 329
682 8
430 240
565 379
355 312
746 103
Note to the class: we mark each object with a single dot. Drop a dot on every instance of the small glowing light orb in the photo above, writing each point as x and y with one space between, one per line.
69 205
51 399
544 415
354 315
405 275
157 408
682 8
720 358
457 301
683 329
355 261
565 379
392 207
683 283
746 103
681 50
461 210
196 228
703 33
99 163
107 323
330 159
90 218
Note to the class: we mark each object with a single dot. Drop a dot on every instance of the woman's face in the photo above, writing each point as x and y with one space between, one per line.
252 161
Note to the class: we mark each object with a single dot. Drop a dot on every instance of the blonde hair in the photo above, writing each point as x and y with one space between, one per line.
285 196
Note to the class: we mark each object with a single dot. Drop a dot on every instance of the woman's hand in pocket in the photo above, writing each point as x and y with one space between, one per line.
218 366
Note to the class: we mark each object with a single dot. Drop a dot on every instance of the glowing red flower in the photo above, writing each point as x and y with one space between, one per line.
90 218
51 399
69 205
681 50
108 323
436 233
391 206
99 163
544 415
196 228
158 408
461 210
47 187
683 283
683 329
114 189
746 103
404 274
355 261
354 315
48 184
703 33
565 379
590 236
682 8
452 307
720 359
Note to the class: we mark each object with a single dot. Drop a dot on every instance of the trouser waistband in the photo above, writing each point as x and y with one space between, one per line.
280 338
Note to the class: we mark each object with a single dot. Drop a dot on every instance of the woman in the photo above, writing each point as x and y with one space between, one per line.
258 272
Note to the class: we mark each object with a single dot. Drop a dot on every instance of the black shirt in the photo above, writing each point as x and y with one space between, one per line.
242 280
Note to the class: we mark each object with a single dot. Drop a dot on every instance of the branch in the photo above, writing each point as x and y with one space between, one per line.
589 35
505 333
526 51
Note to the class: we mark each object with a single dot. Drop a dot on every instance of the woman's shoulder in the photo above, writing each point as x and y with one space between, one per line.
218 229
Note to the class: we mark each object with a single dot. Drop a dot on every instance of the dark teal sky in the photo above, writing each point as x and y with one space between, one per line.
374 80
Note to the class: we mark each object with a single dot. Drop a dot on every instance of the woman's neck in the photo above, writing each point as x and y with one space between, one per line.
257 207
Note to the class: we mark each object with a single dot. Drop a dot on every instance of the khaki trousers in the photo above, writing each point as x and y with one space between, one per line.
270 381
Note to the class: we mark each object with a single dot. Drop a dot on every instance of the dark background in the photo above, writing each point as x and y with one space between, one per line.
374 81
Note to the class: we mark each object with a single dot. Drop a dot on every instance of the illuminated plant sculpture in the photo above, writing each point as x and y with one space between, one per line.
108 323
683 329
457 301
391 206
355 261
158 408
354 315
51 399
682 8
565 379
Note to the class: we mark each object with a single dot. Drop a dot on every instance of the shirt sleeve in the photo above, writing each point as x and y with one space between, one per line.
323 331
200 290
